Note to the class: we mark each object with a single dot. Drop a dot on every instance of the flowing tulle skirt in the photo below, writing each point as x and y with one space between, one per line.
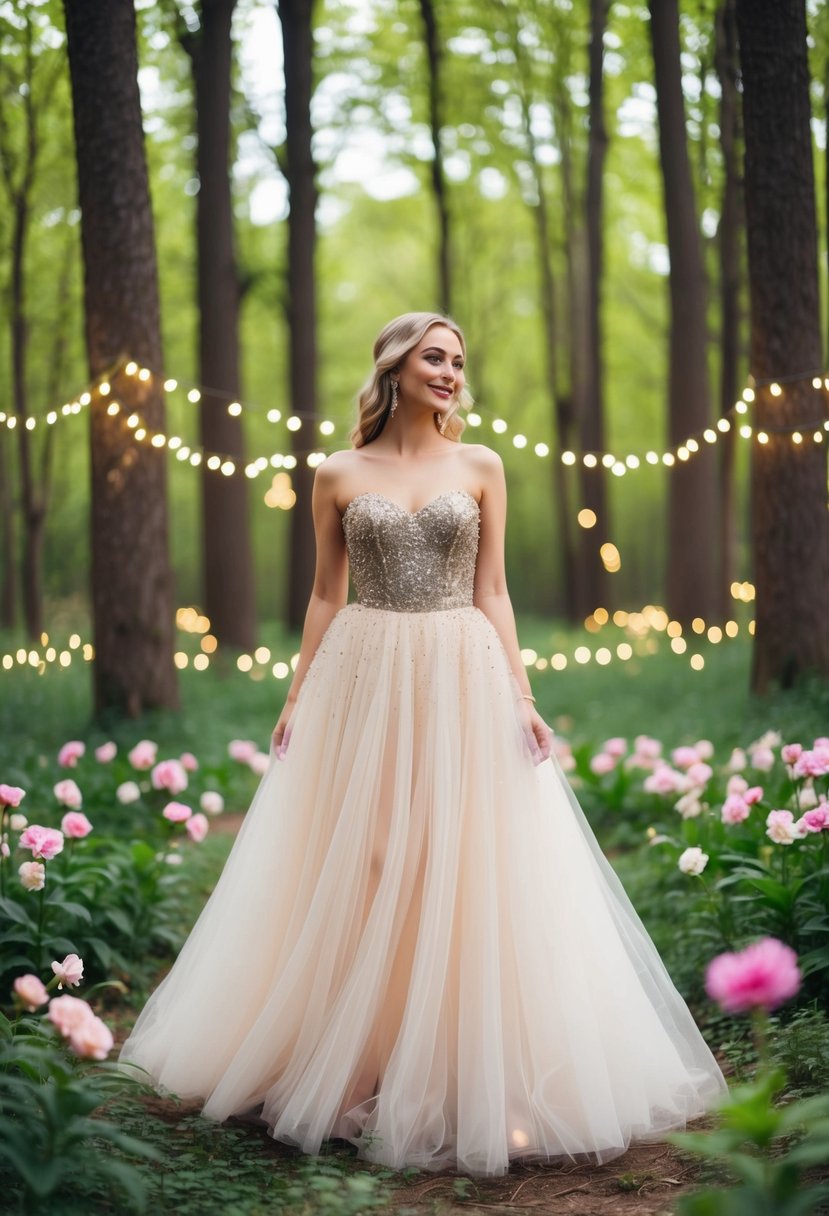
416 943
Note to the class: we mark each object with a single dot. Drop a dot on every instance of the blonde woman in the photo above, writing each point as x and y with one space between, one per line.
416 943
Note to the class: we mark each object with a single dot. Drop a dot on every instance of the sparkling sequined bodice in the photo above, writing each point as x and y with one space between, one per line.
420 562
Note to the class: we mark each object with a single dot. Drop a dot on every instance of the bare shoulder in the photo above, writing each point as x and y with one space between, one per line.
333 469
485 464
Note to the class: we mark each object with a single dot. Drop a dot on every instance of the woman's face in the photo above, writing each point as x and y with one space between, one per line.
431 375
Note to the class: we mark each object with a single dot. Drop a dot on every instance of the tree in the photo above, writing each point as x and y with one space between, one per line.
296 18
132 590
790 527
434 62
227 560
692 503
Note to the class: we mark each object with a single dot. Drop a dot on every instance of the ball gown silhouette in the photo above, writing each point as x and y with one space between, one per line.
416 943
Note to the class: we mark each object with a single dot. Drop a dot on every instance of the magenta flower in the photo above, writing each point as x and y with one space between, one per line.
68 794
30 992
762 976
816 820
169 775
176 812
106 752
143 755
45 843
70 753
11 795
197 827
75 825
753 794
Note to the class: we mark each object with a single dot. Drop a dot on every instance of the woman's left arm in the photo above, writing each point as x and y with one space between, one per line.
491 594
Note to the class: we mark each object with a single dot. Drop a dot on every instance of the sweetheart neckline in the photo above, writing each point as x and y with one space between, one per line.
402 509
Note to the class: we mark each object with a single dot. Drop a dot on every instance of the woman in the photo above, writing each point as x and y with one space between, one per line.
416 943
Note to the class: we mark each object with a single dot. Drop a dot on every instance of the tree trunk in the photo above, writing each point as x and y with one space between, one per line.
790 528
593 579
730 228
8 594
296 18
434 60
692 511
132 591
227 560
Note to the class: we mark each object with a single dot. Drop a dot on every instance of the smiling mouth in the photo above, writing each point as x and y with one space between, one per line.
444 393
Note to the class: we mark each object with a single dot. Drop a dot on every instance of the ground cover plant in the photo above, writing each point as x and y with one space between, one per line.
712 810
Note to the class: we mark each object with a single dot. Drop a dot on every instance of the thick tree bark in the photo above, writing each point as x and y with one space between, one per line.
434 61
8 591
593 578
132 590
790 526
692 509
730 229
296 18
227 559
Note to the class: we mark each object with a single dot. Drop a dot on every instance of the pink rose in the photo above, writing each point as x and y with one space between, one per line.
30 992
33 875
143 755
735 809
212 802
650 749
176 812
781 827
700 774
816 820
68 794
11 795
75 825
106 752
70 753
762 758
684 757
69 972
197 827
45 843
68 1013
762 976
616 747
169 775
92 1039
242 750
791 752
189 762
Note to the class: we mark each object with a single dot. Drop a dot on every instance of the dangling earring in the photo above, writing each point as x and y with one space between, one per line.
393 398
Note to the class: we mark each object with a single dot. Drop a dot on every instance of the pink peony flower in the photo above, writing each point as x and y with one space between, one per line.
735 809
106 752
753 794
693 861
212 802
781 827
762 758
736 785
143 755
30 992
68 1013
127 792
791 752
664 780
762 976
5 851
169 775
11 795
737 760
18 822
45 843
259 763
689 805
197 827
174 859
189 762
69 972
704 749
70 753
650 749
684 757
75 825
816 820
176 812
810 764
33 875
242 750
602 763
92 1039
807 798
700 774
68 794
616 747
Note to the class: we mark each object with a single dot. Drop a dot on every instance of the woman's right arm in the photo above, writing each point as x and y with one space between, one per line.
330 590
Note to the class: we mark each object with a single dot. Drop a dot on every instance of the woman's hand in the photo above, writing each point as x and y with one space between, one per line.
282 731
538 736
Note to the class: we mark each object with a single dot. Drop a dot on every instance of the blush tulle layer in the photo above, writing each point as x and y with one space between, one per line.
416 943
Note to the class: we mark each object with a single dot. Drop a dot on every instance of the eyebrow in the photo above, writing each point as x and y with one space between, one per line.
440 350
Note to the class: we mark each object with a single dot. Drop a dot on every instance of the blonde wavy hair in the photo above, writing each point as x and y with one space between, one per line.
394 342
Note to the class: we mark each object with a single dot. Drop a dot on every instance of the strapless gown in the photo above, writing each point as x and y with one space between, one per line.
416 943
